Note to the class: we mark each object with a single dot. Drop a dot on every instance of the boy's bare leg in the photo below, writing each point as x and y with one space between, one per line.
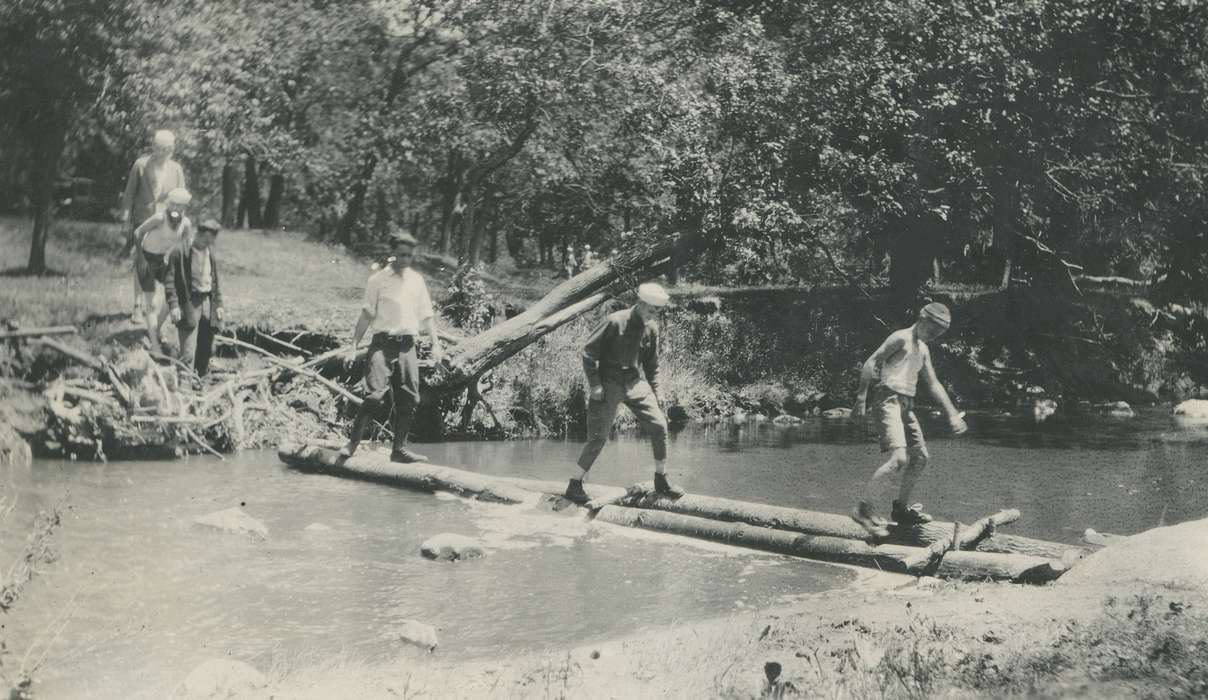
910 475
882 478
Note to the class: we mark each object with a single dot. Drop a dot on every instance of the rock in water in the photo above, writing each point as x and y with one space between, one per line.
450 547
1042 409
837 413
1192 410
1172 556
233 521
223 678
418 634
318 527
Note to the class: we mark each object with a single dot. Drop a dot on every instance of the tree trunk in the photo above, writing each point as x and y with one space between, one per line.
493 250
272 207
356 199
563 303
229 205
251 193
473 224
48 151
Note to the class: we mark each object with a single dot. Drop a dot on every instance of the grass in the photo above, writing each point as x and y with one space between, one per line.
957 641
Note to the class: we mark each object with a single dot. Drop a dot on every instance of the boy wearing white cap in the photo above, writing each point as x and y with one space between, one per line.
621 349
897 366
156 238
151 178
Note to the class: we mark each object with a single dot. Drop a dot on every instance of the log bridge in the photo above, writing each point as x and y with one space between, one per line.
945 550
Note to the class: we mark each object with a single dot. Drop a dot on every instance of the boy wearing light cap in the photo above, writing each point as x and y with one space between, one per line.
897 366
621 349
156 238
151 178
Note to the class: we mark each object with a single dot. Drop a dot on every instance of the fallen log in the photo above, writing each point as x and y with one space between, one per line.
34 332
887 557
982 539
377 468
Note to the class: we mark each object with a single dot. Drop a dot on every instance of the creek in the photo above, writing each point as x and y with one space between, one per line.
151 595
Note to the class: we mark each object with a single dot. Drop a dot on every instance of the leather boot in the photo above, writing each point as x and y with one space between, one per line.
364 414
909 516
665 488
404 412
575 493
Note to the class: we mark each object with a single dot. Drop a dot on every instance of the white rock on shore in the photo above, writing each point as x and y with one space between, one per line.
1173 557
418 634
233 521
1192 410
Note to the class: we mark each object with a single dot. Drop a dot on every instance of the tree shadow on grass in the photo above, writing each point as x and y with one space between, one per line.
25 272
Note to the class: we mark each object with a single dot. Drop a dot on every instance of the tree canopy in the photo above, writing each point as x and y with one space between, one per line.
802 141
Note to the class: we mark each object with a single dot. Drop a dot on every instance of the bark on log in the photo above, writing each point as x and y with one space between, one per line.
28 332
833 525
887 557
378 468
565 302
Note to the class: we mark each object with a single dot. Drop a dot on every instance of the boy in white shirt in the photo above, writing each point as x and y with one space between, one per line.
897 366
396 304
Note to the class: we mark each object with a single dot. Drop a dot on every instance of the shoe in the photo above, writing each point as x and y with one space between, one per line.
137 315
665 488
347 451
575 493
404 456
874 526
909 516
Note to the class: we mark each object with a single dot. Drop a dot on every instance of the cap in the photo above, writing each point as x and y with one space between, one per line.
210 224
163 137
179 196
938 313
402 238
653 294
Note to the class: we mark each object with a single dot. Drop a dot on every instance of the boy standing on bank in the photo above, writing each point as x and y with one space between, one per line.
194 296
621 362
897 366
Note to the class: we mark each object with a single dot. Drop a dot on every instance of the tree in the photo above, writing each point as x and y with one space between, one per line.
58 63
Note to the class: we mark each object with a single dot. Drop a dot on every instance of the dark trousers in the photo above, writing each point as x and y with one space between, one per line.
391 367
197 342
635 393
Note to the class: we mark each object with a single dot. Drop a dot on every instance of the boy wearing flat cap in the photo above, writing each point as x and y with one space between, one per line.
194 296
897 366
156 238
622 349
396 305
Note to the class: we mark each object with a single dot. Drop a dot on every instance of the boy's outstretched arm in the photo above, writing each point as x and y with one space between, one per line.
955 421
872 368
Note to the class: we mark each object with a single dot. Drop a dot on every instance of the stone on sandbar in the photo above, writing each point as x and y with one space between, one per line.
451 547
418 634
233 521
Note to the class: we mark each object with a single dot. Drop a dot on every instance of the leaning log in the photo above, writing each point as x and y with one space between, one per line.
887 557
565 302
377 468
982 538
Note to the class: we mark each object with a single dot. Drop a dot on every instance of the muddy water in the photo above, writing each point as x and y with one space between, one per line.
145 595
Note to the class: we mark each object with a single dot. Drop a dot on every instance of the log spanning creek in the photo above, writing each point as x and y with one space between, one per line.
332 565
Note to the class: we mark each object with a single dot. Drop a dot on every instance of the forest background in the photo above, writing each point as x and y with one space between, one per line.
890 146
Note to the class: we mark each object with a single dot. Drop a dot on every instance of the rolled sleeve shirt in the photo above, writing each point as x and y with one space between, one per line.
623 343
148 184
397 302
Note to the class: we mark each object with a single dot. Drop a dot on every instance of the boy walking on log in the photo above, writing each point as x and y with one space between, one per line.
897 366
396 304
623 342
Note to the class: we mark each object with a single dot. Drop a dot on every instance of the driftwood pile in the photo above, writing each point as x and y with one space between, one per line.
139 401
945 550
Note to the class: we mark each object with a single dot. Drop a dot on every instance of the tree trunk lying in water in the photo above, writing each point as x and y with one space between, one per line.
980 537
887 557
808 534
